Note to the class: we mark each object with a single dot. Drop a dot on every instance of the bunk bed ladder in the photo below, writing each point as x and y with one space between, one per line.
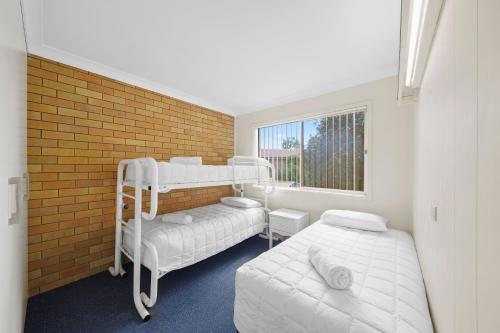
140 299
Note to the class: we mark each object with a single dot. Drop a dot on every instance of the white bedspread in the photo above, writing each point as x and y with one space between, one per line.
176 173
280 291
214 229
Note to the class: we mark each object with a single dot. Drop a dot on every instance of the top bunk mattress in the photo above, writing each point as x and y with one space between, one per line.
176 173
280 291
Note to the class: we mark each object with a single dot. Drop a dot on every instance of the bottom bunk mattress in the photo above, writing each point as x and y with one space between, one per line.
214 228
280 291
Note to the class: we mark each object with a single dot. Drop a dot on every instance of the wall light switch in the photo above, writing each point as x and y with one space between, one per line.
434 212
14 198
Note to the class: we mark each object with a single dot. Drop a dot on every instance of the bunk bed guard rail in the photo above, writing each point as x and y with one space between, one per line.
262 180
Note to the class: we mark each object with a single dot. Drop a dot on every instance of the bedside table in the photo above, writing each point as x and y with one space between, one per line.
286 222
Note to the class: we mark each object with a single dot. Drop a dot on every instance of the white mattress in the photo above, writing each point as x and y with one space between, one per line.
280 291
176 173
214 229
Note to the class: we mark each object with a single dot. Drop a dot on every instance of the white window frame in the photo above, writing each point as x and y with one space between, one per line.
365 106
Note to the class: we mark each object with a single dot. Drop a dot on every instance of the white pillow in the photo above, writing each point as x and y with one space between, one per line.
357 220
240 202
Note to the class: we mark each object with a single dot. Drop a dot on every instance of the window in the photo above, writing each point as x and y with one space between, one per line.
326 152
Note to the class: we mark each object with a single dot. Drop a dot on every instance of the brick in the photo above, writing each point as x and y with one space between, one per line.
58 151
57 102
58 118
58 201
103 261
73 176
58 234
73 208
88 153
71 97
57 251
88 138
41 73
36 124
73 239
100 117
42 107
113 84
36 142
100 132
71 113
52 67
87 77
89 168
34 62
88 93
73 160
100 88
43 246
58 184
88 213
35 98
74 191
73 144
88 123
72 81
34 151
37 229
57 218
72 129
57 168
43 194
100 103
113 99
57 135
58 86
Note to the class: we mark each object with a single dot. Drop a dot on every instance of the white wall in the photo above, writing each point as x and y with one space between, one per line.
488 166
13 277
457 145
390 152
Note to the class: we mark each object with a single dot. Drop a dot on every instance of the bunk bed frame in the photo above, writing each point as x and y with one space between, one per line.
141 299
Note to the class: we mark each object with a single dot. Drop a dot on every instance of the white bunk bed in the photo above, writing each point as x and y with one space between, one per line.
142 247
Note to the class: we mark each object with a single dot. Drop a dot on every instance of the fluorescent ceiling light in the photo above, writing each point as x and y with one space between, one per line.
417 15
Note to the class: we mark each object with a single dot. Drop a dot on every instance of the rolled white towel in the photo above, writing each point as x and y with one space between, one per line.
178 218
336 275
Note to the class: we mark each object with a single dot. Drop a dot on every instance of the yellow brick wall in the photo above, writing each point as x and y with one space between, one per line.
80 125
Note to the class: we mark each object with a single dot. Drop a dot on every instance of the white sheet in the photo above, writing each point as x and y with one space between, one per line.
280 291
214 229
176 173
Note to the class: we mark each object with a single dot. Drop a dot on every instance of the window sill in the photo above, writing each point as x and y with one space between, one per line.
340 193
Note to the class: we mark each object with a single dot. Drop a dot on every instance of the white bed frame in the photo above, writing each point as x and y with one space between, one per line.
141 300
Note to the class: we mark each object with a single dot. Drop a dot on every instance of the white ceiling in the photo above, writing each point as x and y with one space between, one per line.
231 55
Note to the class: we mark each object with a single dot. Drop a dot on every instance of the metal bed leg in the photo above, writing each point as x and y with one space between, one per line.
150 301
153 292
118 269
137 292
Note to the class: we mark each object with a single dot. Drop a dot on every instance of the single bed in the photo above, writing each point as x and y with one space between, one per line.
280 291
214 229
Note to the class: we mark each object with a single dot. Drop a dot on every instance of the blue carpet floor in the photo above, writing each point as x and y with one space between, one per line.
198 298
